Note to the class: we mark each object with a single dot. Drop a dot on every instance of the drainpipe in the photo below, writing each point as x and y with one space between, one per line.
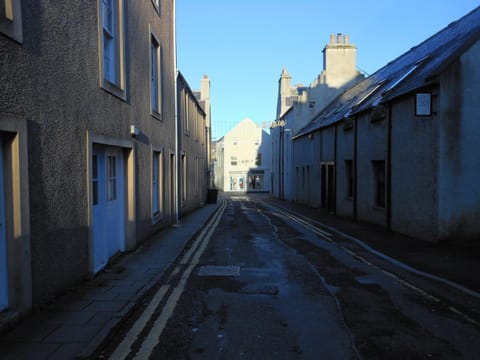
177 150
282 166
388 194
335 170
355 173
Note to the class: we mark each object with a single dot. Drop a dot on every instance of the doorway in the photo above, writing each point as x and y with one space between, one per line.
108 193
328 186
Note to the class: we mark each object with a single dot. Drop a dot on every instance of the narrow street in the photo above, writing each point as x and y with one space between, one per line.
263 283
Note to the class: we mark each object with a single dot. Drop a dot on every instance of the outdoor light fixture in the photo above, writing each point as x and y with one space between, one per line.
134 131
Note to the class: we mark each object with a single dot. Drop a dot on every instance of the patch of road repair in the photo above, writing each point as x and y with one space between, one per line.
218 270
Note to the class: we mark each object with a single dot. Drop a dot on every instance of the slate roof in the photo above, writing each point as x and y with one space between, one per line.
412 70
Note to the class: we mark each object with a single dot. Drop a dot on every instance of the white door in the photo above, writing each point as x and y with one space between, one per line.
3 241
108 205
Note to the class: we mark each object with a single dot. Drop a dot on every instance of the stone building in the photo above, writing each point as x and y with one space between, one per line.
298 104
193 145
88 139
399 149
243 158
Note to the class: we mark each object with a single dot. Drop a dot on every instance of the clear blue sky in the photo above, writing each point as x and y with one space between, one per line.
243 45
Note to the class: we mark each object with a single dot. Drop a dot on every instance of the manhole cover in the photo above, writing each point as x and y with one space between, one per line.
215 270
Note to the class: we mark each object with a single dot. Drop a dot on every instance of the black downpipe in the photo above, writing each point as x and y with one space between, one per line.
355 144
388 195
335 171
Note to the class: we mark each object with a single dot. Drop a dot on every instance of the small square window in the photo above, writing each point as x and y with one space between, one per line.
423 104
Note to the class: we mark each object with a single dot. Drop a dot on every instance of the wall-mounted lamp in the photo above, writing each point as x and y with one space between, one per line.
134 131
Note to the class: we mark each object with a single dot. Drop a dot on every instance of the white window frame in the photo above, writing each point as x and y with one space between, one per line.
155 77
112 75
11 19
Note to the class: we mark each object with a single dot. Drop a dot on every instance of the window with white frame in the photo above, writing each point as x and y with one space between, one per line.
112 47
155 80
11 19
95 179
157 183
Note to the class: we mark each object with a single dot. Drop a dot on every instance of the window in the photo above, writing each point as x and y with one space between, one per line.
348 178
157 183
111 178
156 95
11 19
112 47
95 179
379 182
258 159
233 160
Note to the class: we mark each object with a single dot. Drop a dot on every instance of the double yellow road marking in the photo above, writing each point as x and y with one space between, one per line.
189 259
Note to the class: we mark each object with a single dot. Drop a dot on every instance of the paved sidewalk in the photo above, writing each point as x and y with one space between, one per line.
76 324
455 261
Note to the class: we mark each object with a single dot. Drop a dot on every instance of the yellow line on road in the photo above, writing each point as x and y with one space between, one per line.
122 351
152 338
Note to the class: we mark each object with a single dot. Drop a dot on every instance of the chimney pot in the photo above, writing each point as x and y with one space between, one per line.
339 38
345 39
332 39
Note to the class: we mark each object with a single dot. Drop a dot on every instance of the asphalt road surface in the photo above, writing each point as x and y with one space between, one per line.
263 283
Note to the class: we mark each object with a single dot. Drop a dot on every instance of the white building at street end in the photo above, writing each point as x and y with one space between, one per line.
243 158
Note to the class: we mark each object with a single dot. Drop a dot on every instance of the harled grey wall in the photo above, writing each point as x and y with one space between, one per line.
52 81
414 147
